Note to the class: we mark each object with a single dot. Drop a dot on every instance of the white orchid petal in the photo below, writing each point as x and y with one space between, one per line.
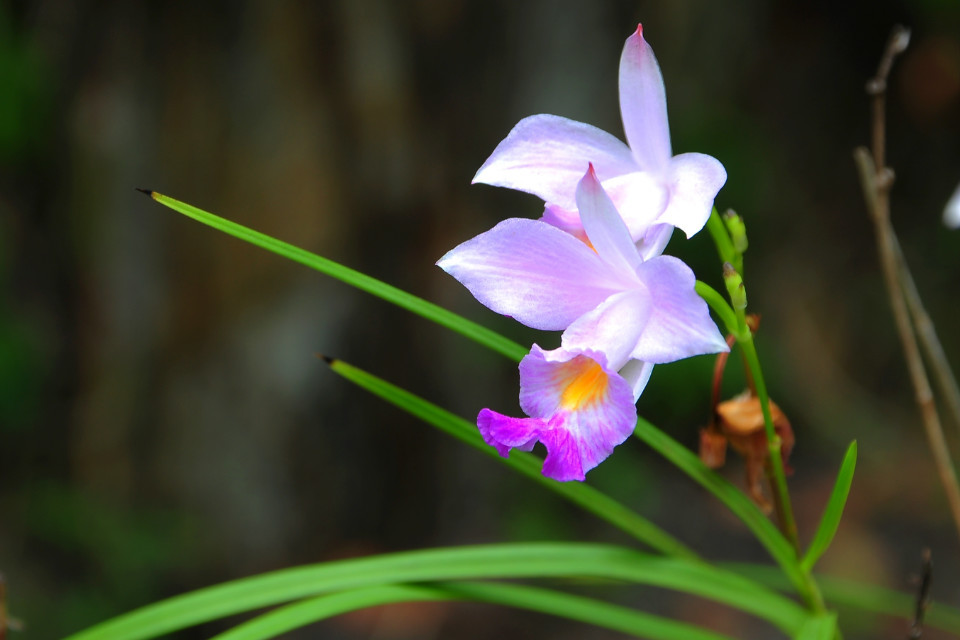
533 272
640 197
643 104
605 228
695 179
637 374
546 155
680 325
614 328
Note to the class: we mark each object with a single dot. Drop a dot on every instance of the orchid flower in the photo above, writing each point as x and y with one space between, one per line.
579 409
653 190
618 311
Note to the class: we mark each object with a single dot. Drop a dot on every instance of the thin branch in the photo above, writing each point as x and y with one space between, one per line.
927 333
877 179
877 87
923 597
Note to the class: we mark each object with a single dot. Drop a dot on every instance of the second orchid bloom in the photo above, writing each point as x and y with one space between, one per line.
593 271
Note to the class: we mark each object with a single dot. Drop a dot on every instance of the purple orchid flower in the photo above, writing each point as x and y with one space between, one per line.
618 311
579 409
654 190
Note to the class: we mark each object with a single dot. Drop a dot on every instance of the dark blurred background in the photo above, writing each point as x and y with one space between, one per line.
164 424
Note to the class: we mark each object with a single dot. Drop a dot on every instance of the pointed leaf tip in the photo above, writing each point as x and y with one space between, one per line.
149 192
832 512
326 358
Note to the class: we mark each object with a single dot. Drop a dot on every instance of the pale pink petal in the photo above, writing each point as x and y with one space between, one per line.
654 241
680 325
640 197
637 374
605 228
546 155
533 272
694 179
565 220
643 104
614 328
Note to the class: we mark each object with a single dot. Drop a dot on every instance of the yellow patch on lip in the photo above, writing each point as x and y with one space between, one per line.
587 386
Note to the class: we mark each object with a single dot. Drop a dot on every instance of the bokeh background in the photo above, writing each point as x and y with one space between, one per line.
164 424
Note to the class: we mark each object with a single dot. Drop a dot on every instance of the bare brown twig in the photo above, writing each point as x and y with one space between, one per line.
929 341
877 179
923 597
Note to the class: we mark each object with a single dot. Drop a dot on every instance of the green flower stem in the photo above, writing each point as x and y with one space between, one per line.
735 318
777 475
719 305
779 478
721 238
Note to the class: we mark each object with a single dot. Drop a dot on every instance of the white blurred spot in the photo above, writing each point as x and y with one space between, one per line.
951 214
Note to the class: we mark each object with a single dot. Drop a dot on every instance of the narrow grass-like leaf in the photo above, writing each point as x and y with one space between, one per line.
361 281
532 560
822 627
833 511
735 500
583 495
601 614
310 610
862 596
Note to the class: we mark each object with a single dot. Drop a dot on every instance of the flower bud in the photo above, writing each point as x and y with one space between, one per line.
738 295
736 229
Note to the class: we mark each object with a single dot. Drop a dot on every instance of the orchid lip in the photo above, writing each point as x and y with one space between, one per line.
578 409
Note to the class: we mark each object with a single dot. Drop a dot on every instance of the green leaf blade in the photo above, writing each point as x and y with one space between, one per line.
583 495
305 612
389 293
833 511
530 560
601 614
821 627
